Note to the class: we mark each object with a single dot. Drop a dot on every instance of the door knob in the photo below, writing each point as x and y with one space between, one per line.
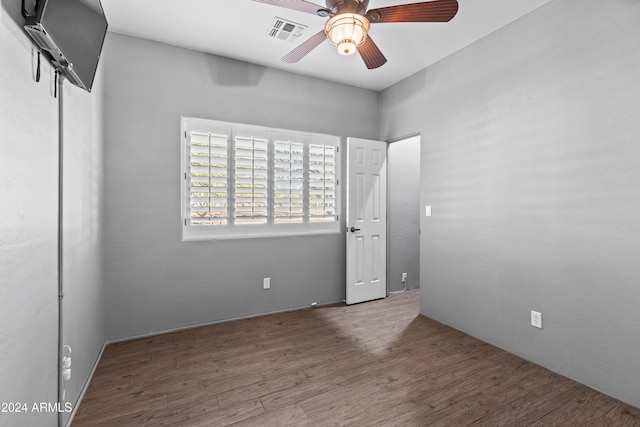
353 229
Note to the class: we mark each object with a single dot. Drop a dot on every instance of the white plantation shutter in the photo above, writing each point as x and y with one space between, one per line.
208 179
322 183
248 181
250 169
288 172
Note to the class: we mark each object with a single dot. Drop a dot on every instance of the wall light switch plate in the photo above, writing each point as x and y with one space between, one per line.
536 319
266 283
427 210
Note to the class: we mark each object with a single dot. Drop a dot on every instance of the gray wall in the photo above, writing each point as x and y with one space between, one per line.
154 281
29 229
530 159
84 320
403 162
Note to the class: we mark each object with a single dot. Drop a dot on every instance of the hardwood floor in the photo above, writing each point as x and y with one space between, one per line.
373 364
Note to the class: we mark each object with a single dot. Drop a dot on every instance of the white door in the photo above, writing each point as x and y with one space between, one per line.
366 220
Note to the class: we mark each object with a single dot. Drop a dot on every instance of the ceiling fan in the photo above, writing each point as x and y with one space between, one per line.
349 22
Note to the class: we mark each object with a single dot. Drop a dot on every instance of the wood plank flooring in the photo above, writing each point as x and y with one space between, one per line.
373 364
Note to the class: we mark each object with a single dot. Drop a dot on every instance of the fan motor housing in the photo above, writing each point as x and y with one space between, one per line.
348 6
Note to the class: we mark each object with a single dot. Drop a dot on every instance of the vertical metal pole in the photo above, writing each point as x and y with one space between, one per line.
60 244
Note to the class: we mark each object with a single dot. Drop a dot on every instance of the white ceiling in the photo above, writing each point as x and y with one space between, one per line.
238 29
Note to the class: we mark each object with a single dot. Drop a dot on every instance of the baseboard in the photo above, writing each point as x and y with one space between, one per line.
216 322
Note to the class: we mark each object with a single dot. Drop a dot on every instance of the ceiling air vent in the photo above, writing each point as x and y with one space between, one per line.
283 29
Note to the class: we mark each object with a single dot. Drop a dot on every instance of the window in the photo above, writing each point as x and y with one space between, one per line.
247 181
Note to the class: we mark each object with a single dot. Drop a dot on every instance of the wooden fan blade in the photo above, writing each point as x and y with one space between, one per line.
304 48
430 11
299 5
371 54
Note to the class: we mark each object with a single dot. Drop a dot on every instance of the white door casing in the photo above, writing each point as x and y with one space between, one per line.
366 220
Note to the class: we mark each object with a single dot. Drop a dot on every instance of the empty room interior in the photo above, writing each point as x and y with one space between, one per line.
440 229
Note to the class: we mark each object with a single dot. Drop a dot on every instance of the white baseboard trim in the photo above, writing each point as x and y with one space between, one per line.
216 322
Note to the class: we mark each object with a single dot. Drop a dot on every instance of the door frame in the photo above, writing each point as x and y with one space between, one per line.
388 207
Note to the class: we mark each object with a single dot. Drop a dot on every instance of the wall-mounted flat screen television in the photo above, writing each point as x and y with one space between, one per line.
71 34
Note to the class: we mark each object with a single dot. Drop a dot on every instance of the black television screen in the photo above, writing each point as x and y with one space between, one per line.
71 34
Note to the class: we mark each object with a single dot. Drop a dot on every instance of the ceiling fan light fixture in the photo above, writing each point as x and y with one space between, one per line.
347 31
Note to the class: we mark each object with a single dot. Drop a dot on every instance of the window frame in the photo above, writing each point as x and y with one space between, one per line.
272 227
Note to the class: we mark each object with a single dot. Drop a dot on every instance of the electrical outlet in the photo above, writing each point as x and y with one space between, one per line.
536 319
404 277
66 368
266 283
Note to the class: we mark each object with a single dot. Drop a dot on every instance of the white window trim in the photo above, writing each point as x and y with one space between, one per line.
271 228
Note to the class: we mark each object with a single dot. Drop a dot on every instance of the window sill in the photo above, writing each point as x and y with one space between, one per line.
259 235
